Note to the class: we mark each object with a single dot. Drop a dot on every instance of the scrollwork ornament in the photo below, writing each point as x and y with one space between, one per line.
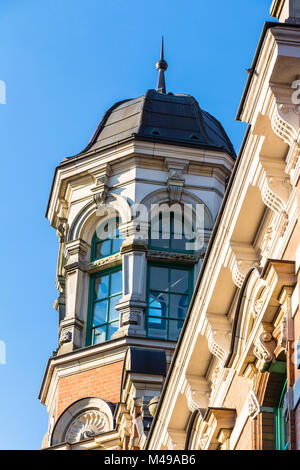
86 425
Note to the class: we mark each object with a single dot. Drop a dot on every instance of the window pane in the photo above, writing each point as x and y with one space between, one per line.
116 282
179 244
101 287
113 313
157 327
158 278
99 335
160 243
112 327
178 305
103 249
174 329
179 281
117 242
158 304
100 312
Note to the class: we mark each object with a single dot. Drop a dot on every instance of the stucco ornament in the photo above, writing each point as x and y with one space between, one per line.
264 350
86 425
253 405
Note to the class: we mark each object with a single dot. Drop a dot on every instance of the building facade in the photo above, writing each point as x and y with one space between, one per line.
164 342
126 270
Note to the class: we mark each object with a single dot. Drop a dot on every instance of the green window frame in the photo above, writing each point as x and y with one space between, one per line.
171 243
104 293
168 299
108 246
281 432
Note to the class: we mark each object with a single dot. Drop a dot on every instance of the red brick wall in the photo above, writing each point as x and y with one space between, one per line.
103 382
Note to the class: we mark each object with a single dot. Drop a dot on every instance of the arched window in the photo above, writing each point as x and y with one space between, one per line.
105 286
106 240
281 421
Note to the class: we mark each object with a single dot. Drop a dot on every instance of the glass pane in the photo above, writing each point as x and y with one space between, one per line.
174 329
178 305
116 282
157 327
179 281
160 243
113 313
179 244
100 312
112 327
158 278
158 304
101 287
117 242
103 249
99 335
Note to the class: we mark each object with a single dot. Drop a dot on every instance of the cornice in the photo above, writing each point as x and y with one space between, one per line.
113 350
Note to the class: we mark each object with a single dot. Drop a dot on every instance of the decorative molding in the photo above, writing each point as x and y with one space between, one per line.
203 441
65 337
218 332
100 191
175 181
239 259
253 405
281 126
196 390
87 425
83 419
264 347
274 194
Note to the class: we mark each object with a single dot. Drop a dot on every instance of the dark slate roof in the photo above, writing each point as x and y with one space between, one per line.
159 117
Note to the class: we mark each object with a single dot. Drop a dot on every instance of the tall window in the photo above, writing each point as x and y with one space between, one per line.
281 421
168 296
105 293
105 286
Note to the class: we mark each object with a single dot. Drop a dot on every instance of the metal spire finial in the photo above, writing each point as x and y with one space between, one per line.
161 66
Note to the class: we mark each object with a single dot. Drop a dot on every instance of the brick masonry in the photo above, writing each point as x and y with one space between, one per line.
103 382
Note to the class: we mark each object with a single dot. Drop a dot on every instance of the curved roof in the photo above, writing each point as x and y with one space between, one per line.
165 118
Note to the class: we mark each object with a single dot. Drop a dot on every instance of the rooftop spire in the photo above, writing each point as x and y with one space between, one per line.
161 66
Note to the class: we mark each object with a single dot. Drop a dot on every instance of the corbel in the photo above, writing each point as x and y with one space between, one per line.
264 347
101 188
196 390
240 257
217 330
175 181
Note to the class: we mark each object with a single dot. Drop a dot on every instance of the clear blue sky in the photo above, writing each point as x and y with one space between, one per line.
64 63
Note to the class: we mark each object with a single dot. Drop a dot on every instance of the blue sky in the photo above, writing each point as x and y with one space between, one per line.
64 62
